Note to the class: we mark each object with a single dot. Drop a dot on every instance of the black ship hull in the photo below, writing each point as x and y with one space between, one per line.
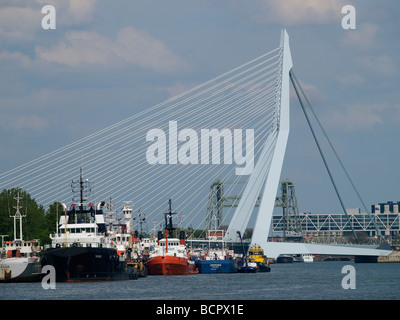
88 264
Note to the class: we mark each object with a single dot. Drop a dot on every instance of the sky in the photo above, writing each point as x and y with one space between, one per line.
108 60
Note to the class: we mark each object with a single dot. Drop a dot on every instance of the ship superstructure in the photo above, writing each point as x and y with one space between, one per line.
81 247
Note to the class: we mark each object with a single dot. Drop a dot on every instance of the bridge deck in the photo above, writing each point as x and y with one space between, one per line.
274 249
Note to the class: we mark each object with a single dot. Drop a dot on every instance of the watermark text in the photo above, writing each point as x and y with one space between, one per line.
183 147
349 280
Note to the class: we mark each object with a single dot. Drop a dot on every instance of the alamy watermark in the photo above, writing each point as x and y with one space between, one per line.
186 147
49 280
49 20
349 20
349 280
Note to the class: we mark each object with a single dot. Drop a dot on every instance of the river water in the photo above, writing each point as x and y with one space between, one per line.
297 281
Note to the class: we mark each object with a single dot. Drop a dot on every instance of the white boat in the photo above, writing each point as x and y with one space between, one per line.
308 258
19 260
127 242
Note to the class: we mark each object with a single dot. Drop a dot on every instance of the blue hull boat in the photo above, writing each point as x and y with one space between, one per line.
216 266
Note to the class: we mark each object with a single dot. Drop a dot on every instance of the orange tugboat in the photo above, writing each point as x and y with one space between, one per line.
170 256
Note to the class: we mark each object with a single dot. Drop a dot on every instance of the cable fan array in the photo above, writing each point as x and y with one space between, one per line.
114 158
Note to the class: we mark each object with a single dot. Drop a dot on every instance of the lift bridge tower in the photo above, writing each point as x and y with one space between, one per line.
291 226
214 206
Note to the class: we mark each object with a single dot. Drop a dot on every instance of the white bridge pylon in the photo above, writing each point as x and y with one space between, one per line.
268 169
266 176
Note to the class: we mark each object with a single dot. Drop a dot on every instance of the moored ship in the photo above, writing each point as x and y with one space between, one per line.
217 266
125 240
170 256
257 259
217 260
19 260
81 249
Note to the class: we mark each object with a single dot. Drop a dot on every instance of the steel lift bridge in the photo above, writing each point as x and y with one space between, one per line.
265 179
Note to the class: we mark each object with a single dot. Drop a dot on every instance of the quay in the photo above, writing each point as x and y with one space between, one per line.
390 258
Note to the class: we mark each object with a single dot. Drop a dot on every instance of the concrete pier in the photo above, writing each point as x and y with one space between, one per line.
391 258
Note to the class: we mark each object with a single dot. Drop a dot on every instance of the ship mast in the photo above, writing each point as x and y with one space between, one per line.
81 191
168 219
19 216
110 214
82 188
169 229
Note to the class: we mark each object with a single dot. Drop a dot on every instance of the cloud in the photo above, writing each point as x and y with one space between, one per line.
351 79
72 12
299 12
179 88
15 58
379 64
19 23
131 46
363 37
23 121
21 20
364 116
81 11
77 48
312 92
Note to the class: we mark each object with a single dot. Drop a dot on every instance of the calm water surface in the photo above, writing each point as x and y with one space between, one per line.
317 280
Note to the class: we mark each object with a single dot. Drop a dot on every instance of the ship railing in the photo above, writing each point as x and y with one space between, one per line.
85 244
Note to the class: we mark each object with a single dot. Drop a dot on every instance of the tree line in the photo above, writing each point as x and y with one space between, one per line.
37 222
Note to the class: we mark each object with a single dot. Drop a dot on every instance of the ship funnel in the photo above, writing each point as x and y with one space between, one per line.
63 205
159 236
100 205
182 237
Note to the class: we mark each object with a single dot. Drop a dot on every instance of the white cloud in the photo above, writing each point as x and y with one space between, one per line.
379 64
131 46
82 11
15 58
297 12
23 121
364 36
351 79
78 48
312 92
72 12
19 23
362 116
179 88
21 20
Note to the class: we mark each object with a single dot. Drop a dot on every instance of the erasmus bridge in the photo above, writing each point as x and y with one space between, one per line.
233 127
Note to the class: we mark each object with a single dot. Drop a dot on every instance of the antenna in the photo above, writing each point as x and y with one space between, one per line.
81 190
17 216
110 206
168 218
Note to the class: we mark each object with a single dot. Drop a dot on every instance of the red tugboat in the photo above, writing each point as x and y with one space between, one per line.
170 256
